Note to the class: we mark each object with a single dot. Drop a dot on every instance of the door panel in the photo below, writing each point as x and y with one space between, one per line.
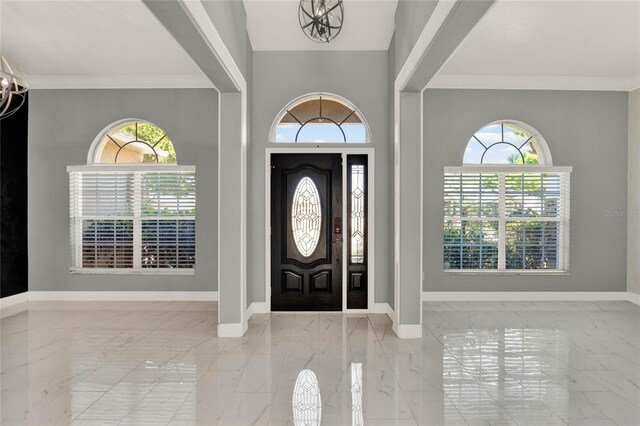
306 232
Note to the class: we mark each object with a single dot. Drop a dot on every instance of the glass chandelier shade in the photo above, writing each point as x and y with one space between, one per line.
321 20
13 87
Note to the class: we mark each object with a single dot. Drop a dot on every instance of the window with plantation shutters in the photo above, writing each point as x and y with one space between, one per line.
135 218
507 209
506 218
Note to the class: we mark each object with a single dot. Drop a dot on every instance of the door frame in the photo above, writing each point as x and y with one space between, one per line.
371 254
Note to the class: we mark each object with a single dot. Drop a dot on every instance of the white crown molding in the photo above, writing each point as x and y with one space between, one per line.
178 81
635 82
528 296
533 82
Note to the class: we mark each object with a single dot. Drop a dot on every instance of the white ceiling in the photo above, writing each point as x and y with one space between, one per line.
550 44
518 44
94 43
274 25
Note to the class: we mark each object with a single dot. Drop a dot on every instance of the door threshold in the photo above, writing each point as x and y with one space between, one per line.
309 312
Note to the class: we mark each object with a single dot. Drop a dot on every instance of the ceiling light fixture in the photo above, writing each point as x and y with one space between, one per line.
13 88
321 20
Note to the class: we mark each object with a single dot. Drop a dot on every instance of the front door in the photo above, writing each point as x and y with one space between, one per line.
306 232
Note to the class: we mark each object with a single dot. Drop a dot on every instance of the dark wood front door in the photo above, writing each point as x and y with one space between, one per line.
306 232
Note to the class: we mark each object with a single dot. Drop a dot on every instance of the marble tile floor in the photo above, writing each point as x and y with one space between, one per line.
512 363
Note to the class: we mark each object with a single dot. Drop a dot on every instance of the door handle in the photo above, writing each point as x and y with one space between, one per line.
337 231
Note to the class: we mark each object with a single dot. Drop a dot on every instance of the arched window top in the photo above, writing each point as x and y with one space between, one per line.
320 118
507 142
132 141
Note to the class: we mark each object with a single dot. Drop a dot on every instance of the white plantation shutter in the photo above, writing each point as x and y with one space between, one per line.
133 218
471 220
506 218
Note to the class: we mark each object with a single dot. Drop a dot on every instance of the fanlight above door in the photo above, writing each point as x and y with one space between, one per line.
306 216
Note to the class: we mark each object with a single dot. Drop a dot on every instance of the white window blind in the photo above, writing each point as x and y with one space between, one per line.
136 219
506 218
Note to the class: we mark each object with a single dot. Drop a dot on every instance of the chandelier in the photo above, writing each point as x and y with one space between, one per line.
321 20
13 88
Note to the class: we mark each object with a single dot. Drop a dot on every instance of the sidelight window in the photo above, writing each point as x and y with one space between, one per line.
357 212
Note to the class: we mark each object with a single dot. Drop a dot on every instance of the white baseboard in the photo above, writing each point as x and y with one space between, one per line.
12 305
524 296
5 302
141 296
258 308
380 308
407 331
633 298
231 330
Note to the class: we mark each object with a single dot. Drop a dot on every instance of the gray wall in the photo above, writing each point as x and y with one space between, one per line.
62 127
230 19
586 130
633 197
411 17
280 77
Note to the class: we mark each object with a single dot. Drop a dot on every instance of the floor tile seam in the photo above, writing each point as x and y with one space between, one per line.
598 409
559 384
113 386
193 392
607 389
395 376
251 356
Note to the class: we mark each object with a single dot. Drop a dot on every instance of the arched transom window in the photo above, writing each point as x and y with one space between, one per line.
132 208
506 142
134 142
506 209
320 118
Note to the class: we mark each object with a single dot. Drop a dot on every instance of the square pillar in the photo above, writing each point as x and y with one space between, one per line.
408 211
232 216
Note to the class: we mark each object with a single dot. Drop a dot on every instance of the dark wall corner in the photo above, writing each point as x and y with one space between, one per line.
13 215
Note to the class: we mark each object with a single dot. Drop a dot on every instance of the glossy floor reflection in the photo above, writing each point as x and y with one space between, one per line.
477 363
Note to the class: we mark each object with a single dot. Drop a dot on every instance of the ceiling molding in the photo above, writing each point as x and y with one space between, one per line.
531 82
181 81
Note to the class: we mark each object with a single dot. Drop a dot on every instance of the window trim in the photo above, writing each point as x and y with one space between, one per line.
563 220
533 133
311 96
133 271
126 168
95 150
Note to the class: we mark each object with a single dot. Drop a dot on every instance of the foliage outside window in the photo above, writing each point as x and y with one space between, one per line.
136 216
135 142
509 216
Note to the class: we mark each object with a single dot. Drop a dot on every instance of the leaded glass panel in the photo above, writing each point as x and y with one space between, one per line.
306 216
358 200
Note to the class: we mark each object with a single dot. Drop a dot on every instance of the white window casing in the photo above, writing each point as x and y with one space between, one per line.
136 219
522 212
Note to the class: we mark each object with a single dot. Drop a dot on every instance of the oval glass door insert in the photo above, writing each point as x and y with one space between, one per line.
306 215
